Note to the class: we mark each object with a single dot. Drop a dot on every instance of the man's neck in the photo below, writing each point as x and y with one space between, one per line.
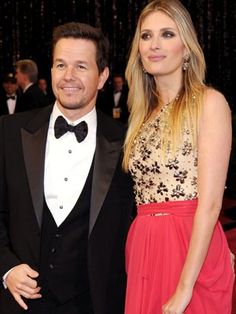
27 86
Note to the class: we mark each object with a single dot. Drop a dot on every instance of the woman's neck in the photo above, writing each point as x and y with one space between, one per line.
168 88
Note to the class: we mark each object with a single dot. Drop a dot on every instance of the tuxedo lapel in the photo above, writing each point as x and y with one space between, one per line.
4 107
106 157
34 143
107 154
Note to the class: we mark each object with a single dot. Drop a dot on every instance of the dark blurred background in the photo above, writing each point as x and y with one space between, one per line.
26 28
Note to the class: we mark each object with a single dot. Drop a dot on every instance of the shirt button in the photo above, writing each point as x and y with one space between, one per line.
57 235
51 266
65 179
61 207
69 151
53 250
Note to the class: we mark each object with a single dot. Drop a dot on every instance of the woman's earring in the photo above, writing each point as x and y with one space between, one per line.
186 63
144 70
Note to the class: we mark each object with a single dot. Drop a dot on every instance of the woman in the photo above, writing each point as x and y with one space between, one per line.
177 150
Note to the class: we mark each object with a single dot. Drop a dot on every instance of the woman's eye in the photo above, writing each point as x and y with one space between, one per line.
145 36
168 34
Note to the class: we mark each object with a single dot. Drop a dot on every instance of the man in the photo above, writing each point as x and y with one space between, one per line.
65 202
10 98
27 76
43 85
113 101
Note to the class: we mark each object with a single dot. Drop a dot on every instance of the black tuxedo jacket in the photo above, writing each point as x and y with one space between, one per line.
33 98
4 107
106 103
22 149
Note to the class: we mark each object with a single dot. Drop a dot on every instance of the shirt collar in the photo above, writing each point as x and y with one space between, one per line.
25 89
12 95
90 118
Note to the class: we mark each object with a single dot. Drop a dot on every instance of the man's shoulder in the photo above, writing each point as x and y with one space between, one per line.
20 119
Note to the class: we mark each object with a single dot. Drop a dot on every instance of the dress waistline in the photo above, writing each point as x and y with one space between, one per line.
177 208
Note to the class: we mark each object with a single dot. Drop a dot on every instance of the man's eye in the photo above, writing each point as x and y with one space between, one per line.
81 67
60 66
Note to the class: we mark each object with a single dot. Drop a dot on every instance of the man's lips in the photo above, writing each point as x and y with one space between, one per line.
70 89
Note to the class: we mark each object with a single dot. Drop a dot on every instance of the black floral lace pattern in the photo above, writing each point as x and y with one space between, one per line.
159 179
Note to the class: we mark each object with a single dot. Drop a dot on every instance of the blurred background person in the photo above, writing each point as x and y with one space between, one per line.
27 77
10 99
113 100
43 85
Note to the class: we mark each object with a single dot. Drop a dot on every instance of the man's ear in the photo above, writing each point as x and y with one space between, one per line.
103 77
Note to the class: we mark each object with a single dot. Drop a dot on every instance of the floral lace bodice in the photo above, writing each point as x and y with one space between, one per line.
159 178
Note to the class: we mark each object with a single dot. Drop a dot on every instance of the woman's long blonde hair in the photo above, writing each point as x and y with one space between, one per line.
143 96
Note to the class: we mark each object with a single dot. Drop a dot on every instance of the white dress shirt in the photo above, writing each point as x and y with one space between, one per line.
67 164
117 96
11 104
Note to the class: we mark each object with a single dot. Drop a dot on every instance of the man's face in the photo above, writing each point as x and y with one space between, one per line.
42 84
118 83
10 88
20 78
75 76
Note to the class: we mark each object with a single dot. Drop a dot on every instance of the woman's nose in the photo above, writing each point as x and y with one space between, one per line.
155 43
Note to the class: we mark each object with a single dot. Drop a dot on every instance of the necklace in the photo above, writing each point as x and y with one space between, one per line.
172 101
160 109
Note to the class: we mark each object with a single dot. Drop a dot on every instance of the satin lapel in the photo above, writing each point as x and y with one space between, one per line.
34 144
106 158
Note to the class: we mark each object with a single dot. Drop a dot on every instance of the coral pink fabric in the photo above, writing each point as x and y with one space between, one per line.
156 249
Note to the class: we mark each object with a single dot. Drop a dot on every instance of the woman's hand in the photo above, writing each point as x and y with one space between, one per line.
178 302
232 259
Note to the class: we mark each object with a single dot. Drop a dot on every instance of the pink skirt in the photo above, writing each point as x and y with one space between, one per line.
156 249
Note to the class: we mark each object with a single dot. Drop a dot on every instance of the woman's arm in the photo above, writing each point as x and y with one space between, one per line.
214 145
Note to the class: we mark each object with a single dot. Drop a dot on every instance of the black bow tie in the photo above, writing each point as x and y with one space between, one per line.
61 127
11 97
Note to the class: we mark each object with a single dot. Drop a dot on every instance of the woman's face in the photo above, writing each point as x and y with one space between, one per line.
160 46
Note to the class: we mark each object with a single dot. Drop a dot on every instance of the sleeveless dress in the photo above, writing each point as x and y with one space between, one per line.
157 243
